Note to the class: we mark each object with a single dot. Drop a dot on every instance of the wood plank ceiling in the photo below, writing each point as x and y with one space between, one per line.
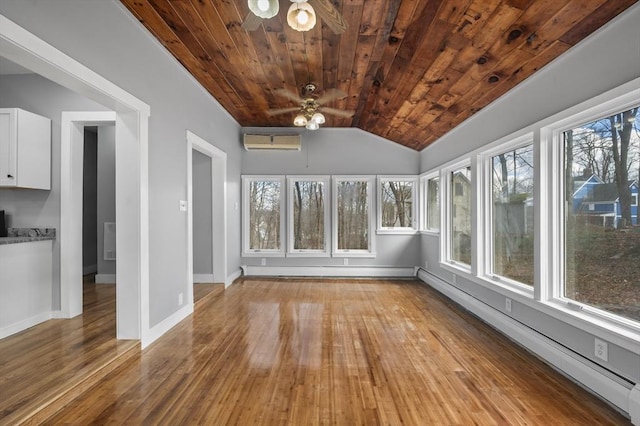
412 69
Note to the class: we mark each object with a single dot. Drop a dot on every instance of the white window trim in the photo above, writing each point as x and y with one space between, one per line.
413 229
552 228
424 200
291 252
246 250
371 251
484 245
446 192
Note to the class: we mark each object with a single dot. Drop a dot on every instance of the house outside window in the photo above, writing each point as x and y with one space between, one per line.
309 221
511 226
397 204
353 223
457 238
263 225
600 244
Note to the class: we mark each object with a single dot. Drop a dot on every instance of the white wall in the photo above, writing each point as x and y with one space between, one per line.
202 204
105 37
605 60
106 192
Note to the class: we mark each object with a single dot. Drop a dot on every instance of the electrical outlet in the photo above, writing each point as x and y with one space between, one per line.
453 279
263 261
426 264
180 299
183 206
601 350
507 304
345 261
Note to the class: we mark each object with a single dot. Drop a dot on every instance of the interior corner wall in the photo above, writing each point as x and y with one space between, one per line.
117 47
106 193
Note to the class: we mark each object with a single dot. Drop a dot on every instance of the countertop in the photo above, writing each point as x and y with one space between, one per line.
26 235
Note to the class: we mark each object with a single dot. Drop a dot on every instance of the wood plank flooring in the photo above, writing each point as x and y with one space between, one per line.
352 352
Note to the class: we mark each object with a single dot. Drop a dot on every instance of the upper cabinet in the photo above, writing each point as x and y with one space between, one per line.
25 149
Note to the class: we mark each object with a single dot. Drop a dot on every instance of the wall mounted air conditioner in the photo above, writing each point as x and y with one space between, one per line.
281 142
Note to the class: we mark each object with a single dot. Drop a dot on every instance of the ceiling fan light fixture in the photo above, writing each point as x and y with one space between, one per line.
300 120
312 125
318 118
264 8
301 16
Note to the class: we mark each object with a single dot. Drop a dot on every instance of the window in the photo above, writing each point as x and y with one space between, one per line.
353 221
601 245
396 211
511 222
263 202
460 219
431 203
308 215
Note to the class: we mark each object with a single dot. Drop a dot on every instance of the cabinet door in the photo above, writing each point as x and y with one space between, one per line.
7 147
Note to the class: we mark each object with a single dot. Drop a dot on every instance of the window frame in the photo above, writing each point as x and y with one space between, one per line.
246 250
371 251
407 230
485 245
424 204
291 251
552 232
446 218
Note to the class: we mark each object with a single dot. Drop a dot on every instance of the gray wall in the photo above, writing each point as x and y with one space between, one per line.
90 201
603 61
106 192
28 207
202 225
105 37
335 151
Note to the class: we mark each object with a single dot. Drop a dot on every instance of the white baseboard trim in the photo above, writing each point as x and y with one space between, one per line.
89 269
231 278
159 329
105 278
596 379
330 271
203 278
17 327
634 405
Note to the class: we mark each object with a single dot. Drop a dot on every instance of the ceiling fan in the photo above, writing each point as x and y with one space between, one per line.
310 109
301 15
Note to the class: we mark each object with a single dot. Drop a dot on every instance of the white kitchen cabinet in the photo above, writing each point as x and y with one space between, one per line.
25 149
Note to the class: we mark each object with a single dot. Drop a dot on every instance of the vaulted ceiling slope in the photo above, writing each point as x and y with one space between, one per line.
412 69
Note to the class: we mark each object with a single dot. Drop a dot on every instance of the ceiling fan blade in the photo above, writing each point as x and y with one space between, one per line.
338 112
289 95
277 111
329 14
251 22
330 95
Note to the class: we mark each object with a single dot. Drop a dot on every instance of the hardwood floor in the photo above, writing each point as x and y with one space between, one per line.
356 352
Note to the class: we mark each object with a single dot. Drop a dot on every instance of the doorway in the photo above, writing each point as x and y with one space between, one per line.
218 233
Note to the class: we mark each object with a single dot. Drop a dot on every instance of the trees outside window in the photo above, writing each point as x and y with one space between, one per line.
308 208
397 204
263 201
433 204
601 233
352 215
512 205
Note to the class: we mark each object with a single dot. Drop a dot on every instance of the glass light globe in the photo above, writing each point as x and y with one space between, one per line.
263 5
318 117
264 9
300 120
312 125
301 16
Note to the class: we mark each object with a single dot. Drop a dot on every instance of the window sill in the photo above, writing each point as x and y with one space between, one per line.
308 254
397 231
354 253
262 254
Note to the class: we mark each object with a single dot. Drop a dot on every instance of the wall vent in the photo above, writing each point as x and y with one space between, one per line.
272 142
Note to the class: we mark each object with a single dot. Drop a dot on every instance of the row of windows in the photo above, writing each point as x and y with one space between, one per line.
575 180
307 224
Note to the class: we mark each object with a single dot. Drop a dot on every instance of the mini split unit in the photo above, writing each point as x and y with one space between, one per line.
273 142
